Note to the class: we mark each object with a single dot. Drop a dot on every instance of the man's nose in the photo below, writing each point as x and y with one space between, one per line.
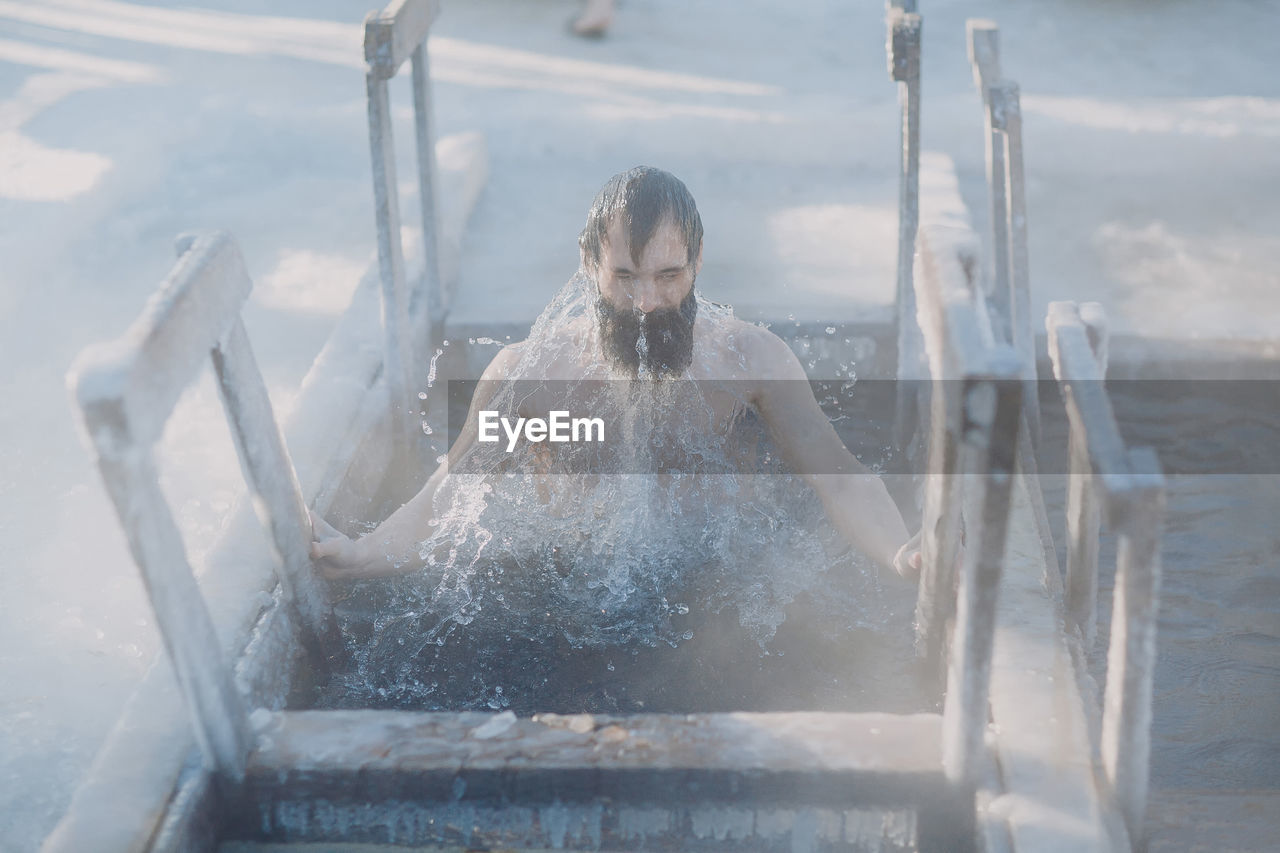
646 298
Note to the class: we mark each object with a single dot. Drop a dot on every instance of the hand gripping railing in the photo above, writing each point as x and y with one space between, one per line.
391 36
126 391
1126 487
976 393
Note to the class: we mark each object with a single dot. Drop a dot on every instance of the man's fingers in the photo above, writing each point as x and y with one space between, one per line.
916 560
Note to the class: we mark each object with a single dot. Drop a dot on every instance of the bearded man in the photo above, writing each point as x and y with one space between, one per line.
641 251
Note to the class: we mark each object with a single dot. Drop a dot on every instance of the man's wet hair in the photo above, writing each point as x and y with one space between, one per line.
643 196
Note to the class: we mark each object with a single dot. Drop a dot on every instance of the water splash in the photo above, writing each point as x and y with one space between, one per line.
521 554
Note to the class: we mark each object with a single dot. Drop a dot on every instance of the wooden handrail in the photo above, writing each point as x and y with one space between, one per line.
983 41
976 391
903 50
1126 487
1008 283
126 391
392 35
398 33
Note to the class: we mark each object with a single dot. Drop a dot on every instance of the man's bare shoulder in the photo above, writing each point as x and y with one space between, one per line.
557 356
503 364
751 351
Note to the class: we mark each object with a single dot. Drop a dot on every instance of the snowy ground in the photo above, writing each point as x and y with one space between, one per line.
1153 163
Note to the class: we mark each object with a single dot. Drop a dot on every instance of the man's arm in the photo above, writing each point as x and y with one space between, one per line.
393 548
855 499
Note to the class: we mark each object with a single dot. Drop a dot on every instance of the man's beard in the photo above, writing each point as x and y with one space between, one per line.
667 346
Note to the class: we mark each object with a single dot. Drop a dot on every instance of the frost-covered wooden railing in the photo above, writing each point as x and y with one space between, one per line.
397 33
975 398
903 51
1124 485
126 391
1008 273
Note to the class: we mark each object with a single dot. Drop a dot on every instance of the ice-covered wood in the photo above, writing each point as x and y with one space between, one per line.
128 387
1051 801
1097 457
398 359
400 776
274 485
392 35
904 67
216 711
1126 716
956 346
490 752
1005 112
991 410
983 38
132 780
424 131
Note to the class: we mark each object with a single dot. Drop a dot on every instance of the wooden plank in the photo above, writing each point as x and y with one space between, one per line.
992 405
603 826
398 357
1126 716
1050 802
983 38
1006 116
216 711
814 759
391 36
940 519
904 67
956 347
128 387
437 299
305 744
1084 394
1065 329
706 780
272 481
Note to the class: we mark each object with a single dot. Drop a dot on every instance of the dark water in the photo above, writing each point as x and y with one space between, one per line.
1215 760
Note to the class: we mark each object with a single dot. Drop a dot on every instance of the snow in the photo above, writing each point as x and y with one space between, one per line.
1152 170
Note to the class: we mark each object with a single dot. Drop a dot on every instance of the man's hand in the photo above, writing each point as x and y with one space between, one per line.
910 558
335 555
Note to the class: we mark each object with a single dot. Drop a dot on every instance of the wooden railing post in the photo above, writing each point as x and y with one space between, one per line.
217 712
396 34
983 39
1126 714
992 406
1096 451
1127 487
904 68
126 391
1005 113
273 482
424 132
398 359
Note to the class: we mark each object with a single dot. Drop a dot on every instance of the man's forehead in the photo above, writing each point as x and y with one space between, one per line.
666 238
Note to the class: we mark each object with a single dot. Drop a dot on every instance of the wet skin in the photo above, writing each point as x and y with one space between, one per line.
753 358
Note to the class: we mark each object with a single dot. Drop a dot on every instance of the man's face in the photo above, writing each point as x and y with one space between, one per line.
646 310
